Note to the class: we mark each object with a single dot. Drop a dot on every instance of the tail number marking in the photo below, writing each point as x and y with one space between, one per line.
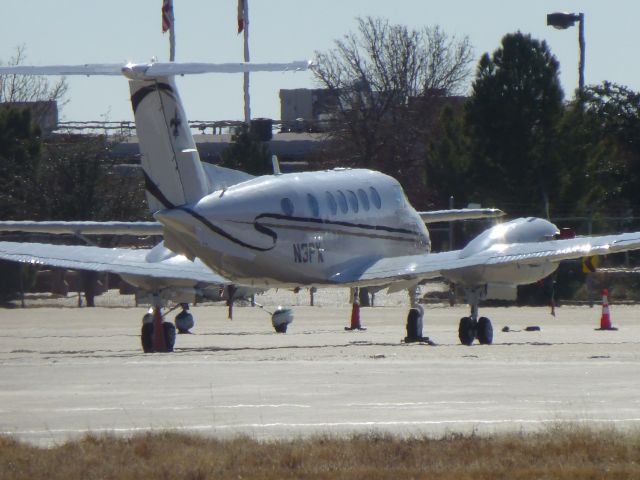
308 252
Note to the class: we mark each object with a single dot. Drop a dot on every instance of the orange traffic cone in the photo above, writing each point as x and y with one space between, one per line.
355 316
605 319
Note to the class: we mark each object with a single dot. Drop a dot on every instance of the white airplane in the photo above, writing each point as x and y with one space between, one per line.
341 227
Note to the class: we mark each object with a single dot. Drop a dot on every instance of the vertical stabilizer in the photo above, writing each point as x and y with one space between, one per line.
172 169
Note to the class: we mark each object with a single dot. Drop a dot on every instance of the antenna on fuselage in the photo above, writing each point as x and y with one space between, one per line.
276 165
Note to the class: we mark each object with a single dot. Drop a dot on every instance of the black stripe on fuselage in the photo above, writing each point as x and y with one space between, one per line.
265 230
154 190
230 237
345 231
319 221
142 93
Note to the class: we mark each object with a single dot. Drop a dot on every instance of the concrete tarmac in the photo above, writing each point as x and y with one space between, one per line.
68 371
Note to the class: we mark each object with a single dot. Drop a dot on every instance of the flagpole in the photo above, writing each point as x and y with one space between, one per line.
168 23
172 38
247 101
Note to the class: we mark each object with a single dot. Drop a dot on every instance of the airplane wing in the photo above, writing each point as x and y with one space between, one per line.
460 214
114 260
82 227
422 267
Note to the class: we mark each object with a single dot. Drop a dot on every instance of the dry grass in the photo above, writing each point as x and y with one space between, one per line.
558 453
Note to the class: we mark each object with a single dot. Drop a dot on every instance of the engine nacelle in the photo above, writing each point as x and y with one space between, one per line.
175 295
501 291
520 230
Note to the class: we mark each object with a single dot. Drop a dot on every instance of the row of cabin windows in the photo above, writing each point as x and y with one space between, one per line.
338 201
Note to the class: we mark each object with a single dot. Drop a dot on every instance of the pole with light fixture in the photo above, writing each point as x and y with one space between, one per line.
564 20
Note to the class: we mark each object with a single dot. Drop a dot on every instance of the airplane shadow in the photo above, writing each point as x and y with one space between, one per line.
40 337
55 354
268 333
282 347
468 352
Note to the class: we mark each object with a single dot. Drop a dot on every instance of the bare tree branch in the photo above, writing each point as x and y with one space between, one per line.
382 76
29 88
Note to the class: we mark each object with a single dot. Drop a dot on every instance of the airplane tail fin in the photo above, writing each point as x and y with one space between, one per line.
172 169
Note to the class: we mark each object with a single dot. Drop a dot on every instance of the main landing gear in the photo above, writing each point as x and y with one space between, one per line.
157 335
473 327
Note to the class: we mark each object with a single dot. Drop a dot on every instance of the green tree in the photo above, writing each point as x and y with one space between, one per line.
600 135
247 153
511 118
19 159
448 162
79 180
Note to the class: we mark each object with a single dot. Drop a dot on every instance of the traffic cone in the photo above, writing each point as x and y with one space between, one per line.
605 319
355 316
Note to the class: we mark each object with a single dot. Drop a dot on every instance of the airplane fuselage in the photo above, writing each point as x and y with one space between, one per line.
299 228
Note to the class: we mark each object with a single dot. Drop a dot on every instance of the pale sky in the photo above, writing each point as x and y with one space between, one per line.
84 31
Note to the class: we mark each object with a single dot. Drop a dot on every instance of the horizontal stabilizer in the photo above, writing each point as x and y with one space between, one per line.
151 70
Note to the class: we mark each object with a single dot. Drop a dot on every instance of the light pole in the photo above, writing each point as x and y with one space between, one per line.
564 20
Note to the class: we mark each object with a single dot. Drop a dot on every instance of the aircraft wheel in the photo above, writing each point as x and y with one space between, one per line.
146 337
282 328
414 329
184 322
485 331
467 330
169 330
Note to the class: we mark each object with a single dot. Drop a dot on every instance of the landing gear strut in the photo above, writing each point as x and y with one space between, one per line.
415 319
472 327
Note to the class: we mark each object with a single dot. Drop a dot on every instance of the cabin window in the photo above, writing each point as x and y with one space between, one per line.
342 201
287 206
364 200
313 205
375 198
353 201
333 206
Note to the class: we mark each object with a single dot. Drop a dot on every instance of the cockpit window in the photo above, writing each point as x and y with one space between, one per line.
287 206
364 200
313 205
353 201
375 198
342 201
333 206
399 196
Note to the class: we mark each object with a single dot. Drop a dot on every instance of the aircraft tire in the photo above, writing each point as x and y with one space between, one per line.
169 330
485 331
414 332
467 331
146 337
282 328
184 322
